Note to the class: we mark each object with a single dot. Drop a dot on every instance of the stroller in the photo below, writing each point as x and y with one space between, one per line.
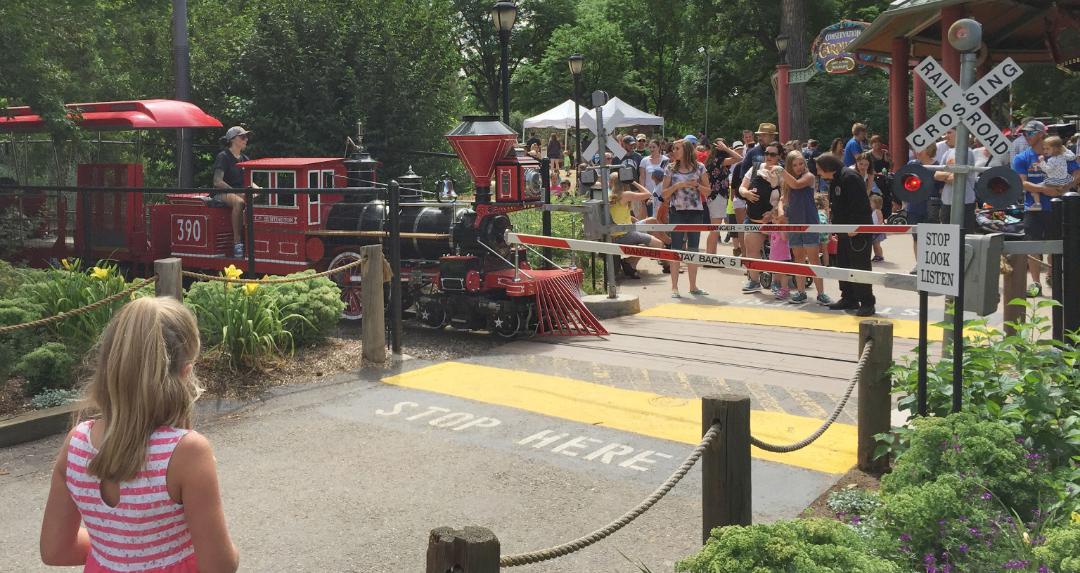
1008 221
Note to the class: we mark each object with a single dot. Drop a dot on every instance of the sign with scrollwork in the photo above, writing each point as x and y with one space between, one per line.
830 47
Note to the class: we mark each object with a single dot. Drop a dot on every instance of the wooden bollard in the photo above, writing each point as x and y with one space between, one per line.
468 550
1015 286
373 329
875 393
169 281
725 465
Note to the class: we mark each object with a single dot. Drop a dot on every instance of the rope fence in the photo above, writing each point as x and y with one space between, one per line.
784 449
594 537
282 280
77 311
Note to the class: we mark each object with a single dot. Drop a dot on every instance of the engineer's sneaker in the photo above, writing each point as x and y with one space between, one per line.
238 251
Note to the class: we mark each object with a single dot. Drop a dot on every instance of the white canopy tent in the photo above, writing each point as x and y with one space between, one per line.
559 117
631 116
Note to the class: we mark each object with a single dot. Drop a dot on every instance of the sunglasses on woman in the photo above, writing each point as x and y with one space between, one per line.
771 154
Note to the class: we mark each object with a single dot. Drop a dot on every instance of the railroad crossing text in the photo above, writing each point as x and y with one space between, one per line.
939 259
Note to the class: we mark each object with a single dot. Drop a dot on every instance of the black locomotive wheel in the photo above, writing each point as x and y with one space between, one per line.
506 324
349 283
431 314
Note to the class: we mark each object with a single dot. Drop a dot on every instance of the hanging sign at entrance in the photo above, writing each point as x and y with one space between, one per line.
830 47
939 259
963 106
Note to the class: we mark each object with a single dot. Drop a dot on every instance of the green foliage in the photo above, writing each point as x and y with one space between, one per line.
11 278
48 366
315 307
244 322
1061 552
14 344
61 290
803 546
1027 382
54 397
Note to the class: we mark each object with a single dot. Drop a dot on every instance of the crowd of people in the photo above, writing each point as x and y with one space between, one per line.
758 179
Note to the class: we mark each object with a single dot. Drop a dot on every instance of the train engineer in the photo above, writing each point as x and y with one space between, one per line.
227 175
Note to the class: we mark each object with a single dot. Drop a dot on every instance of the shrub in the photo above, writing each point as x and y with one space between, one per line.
244 322
14 344
53 397
1025 381
49 366
68 288
11 278
803 546
1061 551
314 305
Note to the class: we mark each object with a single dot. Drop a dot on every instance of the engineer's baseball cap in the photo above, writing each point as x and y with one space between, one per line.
236 131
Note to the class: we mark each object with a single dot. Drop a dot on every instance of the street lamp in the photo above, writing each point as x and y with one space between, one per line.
576 62
702 50
504 14
783 89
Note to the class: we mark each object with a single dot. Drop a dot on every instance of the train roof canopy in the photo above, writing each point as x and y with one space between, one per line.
116 115
287 162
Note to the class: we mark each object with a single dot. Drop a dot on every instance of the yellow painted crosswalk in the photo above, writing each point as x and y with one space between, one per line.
790 318
633 411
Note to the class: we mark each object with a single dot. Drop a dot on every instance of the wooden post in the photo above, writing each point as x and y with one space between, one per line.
725 465
469 550
875 392
373 327
1014 287
169 282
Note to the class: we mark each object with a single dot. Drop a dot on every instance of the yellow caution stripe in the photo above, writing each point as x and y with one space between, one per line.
832 321
643 413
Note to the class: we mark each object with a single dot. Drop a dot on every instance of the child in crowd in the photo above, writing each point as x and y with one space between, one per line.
875 211
1055 165
779 250
117 501
821 201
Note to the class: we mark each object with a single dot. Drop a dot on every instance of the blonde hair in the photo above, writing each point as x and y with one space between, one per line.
789 166
876 201
1054 142
142 381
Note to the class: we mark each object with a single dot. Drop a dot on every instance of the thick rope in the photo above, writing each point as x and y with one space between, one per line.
277 281
836 413
583 542
77 311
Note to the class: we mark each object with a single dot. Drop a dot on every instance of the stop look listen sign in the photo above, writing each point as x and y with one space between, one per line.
938 259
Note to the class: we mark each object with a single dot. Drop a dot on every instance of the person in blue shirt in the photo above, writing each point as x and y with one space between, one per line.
766 134
856 145
1037 222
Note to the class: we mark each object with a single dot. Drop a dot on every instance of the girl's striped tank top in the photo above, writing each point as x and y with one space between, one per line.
146 531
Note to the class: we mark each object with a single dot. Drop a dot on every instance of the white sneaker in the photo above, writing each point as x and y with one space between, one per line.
238 251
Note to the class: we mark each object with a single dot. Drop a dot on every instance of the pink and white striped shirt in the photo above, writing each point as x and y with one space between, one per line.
146 531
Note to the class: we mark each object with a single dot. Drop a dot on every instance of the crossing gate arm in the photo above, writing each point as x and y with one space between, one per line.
750 228
740 264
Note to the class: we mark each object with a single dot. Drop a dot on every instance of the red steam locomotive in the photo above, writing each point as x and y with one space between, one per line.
456 268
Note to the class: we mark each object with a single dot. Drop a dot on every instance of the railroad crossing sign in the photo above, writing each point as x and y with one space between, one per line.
963 106
612 144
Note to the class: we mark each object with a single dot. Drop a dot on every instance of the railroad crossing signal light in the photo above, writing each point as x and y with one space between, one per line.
913 183
965 35
1000 187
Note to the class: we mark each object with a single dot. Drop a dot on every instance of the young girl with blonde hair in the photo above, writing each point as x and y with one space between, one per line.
135 489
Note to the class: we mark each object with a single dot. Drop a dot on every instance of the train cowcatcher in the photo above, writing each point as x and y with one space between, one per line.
314 213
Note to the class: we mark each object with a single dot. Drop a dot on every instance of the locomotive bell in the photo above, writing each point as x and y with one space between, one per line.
445 188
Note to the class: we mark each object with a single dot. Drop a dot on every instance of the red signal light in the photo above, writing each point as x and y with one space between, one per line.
912 183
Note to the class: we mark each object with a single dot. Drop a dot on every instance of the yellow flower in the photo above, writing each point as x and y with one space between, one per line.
1076 516
250 288
99 273
66 264
231 272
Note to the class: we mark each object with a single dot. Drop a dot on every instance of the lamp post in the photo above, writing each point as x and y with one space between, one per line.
783 89
576 62
702 50
504 14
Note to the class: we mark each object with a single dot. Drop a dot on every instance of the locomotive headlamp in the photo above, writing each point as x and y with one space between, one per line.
1000 187
912 183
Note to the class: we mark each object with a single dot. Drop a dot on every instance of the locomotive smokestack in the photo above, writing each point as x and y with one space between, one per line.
480 141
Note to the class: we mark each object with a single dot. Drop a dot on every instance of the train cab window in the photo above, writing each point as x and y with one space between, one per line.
285 180
262 179
314 182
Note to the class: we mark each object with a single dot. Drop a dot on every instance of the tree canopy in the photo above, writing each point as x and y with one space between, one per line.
301 74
